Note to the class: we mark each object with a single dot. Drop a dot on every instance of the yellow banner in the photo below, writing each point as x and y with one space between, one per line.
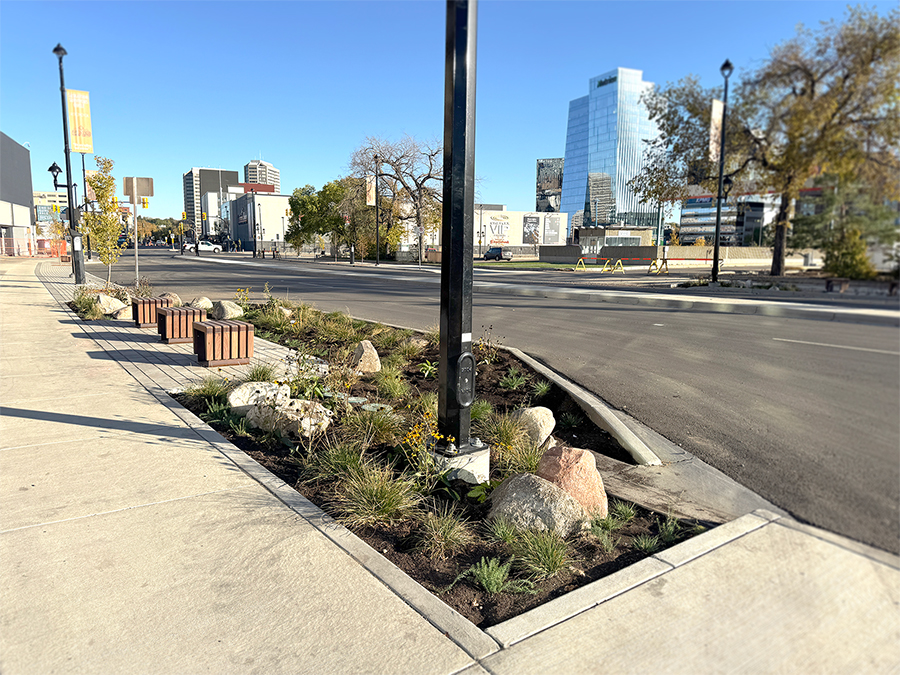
80 138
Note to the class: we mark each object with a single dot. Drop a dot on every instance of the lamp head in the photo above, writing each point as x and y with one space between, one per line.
726 69
727 184
59 51
55 170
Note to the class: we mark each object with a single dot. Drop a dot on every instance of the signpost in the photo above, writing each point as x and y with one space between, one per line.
136 189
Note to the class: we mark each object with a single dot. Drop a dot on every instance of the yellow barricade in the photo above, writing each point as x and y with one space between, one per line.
580 262
659 266
612 269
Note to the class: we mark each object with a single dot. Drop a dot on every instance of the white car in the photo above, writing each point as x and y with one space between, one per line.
206 246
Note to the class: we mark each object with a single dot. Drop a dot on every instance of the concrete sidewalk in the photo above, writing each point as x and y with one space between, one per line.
135 539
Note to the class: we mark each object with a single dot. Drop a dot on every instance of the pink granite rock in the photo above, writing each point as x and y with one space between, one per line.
575 471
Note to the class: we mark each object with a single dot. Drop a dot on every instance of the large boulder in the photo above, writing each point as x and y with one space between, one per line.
249 394
302 419
108 304
296 417
176 300
538 423
530 502
365 358
225 309
575 471
124 313
201 303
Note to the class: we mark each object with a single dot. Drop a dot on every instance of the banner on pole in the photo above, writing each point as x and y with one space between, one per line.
80 137
370 190
715 130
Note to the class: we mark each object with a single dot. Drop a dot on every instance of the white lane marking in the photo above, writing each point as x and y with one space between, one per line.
659 324
823 344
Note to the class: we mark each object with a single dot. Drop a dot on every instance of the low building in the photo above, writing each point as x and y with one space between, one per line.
741 220
17 224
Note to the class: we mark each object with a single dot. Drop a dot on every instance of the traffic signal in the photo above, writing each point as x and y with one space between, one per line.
184 215
145 203
204 215
287 212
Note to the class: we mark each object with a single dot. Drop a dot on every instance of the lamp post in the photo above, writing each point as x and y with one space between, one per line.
77 253
377 224
726 71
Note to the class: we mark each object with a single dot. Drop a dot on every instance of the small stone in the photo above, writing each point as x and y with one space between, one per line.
225 309
176 301
201 303
538 423
109 304
365 358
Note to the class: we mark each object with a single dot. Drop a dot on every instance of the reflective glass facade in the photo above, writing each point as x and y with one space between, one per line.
604 149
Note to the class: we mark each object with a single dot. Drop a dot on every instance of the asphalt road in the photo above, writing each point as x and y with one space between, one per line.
805 413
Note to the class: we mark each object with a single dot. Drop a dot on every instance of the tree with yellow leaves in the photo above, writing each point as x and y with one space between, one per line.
104 224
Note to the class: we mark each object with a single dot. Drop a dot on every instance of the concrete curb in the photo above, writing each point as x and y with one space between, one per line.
599 412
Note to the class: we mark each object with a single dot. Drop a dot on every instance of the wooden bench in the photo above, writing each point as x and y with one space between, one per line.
143 310
176 324
223 343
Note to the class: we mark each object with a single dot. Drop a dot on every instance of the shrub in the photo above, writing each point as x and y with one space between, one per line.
541 554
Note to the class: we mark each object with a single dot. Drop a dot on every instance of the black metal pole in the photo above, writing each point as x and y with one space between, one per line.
726 71
377 223
85 183
77 253
457 365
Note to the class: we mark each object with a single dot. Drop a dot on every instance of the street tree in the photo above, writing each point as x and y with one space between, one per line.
411 173
825 101
317 213
104 223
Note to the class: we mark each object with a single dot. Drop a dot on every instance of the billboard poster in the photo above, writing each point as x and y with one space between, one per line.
531 230
79 105
498 228
44 213
551 229
91 197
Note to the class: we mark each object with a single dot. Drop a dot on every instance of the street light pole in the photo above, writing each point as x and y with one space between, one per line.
77 253
726 71
377 224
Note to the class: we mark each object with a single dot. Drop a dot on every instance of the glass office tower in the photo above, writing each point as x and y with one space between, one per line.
604 150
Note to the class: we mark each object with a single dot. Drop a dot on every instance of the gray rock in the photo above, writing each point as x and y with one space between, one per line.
108 304
249 394
302 419
176 301
201 303
532 503
365 358
123 314
287 311
538 423
225 309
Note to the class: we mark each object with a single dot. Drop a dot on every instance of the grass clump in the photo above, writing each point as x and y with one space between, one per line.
210 388
541 388
499 428
409 350
442 531
372 495
389 339
623 511
646 543
669 529
391 384
607 539
502 530
493 577
333 461
480 409
570 420
260 372
541 554
523 457
433 335
513 380
373 427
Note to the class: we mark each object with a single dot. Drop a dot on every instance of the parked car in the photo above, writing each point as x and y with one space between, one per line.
206 246
497 253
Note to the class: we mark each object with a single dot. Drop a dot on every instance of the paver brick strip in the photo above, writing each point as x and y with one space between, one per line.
143 310
223 343
176 324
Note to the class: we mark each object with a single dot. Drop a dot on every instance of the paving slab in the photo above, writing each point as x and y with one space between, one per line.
75 479
772 601
153 590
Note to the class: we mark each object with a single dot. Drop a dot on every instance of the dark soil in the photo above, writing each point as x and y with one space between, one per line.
589 561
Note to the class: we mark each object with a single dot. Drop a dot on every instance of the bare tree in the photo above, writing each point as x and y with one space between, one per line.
412 173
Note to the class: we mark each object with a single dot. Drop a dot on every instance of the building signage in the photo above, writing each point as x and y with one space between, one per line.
531 230
79 105
700 200
551 229
44 213
608 80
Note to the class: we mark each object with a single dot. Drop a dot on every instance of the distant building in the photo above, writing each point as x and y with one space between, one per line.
262 213
549 184
605 140
258 171
741 221
197 182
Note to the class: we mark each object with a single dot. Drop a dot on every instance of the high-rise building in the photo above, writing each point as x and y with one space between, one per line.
258 171
549 184
197 182
604 150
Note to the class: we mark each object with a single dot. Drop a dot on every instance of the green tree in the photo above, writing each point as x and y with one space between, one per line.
844 223
824 101
104 224
317 213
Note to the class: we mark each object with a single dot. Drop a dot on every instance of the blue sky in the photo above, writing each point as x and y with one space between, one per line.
301 84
